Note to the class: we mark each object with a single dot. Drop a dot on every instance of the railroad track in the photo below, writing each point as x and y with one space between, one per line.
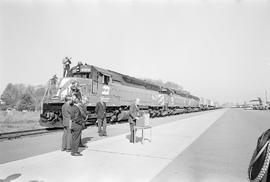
19 134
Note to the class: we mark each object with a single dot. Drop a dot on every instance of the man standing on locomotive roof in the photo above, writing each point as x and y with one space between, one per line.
101 117
66 113
76 127
134 113
66 65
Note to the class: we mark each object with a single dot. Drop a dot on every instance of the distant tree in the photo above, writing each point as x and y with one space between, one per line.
10 95
30 89
14 93
21 88
26 103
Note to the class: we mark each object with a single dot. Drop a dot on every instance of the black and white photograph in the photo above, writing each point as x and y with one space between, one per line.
134 90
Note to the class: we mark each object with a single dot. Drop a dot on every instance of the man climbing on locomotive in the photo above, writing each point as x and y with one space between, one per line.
75 89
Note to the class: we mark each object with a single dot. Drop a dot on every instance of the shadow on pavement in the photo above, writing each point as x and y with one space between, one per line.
138 139
86 140
11 177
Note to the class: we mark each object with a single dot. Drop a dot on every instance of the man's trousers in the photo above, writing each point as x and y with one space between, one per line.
66 139
102 122
132 132
76 137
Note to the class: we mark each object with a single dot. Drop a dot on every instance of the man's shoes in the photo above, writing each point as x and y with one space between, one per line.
83 146
68 150
63 150
76 154
104 134
131 141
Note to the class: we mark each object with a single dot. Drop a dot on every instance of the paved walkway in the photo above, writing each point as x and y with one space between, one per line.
222 153
114 158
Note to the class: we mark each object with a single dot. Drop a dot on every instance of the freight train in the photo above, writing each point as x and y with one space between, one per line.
118 90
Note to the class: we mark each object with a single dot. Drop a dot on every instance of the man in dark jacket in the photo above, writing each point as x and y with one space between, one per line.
84 116
101 117
66 113
134 113
76 127
66 66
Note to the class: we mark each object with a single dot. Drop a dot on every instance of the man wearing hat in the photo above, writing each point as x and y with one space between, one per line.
66 65
77 118
83 114
134 113
101 117
66 113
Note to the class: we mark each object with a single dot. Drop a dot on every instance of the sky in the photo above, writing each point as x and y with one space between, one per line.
215 49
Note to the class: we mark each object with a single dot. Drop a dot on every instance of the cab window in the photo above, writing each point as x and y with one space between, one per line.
104 79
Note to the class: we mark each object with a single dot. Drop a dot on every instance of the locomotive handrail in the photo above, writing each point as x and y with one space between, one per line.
42 101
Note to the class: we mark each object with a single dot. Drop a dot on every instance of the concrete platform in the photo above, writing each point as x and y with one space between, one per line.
114 158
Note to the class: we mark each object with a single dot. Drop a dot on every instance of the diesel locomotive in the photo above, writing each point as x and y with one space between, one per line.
118 91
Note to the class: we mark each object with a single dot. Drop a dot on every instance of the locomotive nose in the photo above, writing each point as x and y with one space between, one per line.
50 119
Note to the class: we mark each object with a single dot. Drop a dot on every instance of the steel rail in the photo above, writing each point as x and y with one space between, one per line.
18 134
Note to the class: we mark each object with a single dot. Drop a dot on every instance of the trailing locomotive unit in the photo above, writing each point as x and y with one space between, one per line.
118 90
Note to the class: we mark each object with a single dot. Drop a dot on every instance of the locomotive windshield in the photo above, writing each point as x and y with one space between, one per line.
81 75
80 71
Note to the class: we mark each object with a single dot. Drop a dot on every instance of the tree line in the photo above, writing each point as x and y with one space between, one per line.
22 97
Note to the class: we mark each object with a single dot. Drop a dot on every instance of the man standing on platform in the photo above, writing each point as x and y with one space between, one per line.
134 113
84 116
101 117
76 127
66 113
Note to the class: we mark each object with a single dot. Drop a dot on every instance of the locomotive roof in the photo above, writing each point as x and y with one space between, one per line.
128 80
125 79
103 71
